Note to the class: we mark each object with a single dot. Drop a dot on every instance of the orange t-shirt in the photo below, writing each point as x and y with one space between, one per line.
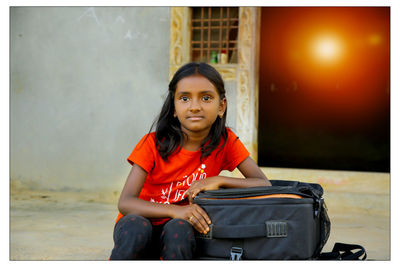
166 182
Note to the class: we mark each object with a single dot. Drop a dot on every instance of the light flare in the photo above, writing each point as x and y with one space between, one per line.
327 49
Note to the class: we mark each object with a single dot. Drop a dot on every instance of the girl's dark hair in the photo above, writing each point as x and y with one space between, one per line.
169 136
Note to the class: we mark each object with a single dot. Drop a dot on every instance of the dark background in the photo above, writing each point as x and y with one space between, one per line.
325 114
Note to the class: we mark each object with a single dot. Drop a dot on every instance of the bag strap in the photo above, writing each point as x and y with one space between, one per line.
347 254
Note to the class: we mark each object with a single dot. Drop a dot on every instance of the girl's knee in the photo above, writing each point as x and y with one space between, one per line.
134 225
137 220
178 229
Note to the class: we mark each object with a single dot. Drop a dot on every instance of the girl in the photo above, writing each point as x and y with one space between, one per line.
186 153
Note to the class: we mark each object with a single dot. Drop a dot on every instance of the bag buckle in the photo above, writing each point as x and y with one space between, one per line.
236 253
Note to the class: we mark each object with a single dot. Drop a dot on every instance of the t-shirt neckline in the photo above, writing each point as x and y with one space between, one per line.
189 152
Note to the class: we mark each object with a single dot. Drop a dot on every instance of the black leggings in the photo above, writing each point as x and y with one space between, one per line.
136 238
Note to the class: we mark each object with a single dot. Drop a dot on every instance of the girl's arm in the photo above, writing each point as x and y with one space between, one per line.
250 170
130 203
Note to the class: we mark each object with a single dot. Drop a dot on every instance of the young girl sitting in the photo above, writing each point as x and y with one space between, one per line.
186 153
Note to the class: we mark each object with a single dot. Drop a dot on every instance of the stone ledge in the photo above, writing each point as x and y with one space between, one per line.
335 181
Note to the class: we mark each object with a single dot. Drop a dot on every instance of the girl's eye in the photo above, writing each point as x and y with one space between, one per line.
206 98
184 98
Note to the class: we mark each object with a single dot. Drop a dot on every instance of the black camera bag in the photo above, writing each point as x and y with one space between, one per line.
285 221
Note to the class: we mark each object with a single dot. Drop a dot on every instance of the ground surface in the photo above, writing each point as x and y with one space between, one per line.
77 226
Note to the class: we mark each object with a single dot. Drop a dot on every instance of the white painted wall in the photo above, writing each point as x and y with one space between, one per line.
86 84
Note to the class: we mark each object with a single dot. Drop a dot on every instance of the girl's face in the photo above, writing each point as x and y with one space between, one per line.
197 104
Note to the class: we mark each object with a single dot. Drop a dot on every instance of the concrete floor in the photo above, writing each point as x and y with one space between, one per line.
79 226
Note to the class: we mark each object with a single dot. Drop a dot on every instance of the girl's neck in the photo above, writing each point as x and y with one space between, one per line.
192 140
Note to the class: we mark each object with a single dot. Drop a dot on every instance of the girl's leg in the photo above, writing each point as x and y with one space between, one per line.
177 240
132 237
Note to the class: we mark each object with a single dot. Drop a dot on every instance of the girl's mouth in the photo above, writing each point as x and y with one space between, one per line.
195 118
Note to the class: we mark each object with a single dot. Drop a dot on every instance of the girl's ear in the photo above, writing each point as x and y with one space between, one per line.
222 107
174 113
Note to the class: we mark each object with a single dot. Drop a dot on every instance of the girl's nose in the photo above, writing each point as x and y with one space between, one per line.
194 106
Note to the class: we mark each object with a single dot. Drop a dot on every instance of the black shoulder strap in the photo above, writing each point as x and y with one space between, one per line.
342 251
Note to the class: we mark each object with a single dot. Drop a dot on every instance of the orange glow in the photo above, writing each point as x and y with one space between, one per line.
336 59
327 49
374 39
324 88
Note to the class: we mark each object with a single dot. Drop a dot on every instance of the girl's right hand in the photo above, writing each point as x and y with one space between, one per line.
195 215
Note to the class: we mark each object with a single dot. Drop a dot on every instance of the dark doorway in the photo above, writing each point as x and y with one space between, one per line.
324 84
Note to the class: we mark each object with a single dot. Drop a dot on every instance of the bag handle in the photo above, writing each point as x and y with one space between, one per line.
347 254
268 229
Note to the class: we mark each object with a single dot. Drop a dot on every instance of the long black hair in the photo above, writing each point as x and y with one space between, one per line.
169 136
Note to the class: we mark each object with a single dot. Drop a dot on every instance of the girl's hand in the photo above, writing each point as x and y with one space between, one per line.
212 183
195 215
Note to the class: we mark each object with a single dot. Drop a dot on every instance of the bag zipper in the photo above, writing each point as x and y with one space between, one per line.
257 197
242 193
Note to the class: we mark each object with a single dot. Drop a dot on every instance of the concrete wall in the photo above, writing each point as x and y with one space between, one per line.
86 84
231 94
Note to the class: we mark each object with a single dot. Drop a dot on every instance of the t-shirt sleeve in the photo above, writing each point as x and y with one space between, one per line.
143 153
235 152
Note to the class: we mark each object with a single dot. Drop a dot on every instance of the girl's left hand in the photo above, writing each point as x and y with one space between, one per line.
212 183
